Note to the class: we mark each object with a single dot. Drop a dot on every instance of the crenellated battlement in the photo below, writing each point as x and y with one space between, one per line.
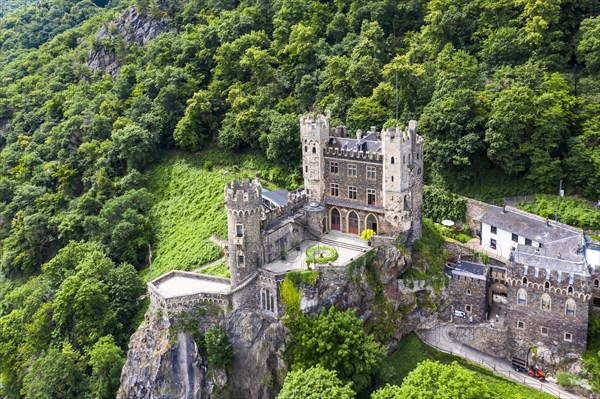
309 121
352 153
243 193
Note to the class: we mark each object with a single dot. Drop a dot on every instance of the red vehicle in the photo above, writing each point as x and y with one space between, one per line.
537 373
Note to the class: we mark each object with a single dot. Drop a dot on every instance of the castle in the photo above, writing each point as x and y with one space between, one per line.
540 283
373 181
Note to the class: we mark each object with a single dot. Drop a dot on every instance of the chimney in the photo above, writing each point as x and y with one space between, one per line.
359 134
504 209
547 222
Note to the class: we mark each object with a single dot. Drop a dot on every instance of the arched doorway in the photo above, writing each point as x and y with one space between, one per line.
335 219
352 223
372 223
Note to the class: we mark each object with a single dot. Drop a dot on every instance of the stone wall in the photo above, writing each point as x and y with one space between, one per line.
475 210
526 320
468 293
485 338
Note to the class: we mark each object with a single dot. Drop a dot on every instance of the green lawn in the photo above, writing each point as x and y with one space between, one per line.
411 351
189 206
220 269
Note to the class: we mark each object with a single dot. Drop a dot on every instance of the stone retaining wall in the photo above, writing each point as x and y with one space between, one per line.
484 338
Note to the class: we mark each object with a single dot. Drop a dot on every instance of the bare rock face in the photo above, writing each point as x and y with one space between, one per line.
133 27
157 367
164 363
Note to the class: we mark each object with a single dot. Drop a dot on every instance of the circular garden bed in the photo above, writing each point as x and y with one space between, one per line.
321 254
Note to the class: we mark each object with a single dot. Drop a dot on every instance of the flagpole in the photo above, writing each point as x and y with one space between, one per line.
150 259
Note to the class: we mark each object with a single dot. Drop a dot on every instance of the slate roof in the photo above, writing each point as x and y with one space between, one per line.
471 269
561 244
369 143
528 226
277 197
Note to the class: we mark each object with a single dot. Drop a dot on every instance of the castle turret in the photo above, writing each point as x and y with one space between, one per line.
415 182
314 134
243 200
398 157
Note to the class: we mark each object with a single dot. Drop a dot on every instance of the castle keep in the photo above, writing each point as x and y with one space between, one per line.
373 181
370 181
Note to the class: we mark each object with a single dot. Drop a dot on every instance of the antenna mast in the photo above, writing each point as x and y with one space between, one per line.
396 98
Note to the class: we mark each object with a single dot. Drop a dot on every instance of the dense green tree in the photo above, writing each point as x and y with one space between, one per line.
438 381
336 340
106 360
314 383
195 129
57 374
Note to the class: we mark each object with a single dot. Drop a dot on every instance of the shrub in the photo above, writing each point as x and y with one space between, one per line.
565 379
208 165
325 254
367 234
220 352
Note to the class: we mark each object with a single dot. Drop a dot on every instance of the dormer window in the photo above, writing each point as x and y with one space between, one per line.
493 230
528 241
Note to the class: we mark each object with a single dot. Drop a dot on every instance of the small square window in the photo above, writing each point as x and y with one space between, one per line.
334 167
239 230
240 259
528 241
493 230
520 325
596 302
515 237
352 192
371 173
335 190
568 337
468 308
544 330
370 196
493 243
352 171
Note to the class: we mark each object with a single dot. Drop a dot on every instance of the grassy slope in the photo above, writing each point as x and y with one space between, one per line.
412 351
189 206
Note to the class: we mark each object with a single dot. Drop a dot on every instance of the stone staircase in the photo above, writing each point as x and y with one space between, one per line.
340 244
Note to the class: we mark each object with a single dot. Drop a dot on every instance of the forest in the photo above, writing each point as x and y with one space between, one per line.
93 93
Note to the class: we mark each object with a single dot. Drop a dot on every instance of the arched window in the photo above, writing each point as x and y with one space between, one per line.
306 168
392 161
570 290
314 150
596 283
392 179
547 285
372 223
267 300
468 291
570 307
335 219
352 223
305 148
546 302
522 297
524 280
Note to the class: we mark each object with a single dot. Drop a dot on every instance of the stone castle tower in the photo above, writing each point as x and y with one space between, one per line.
315 135
402 177
243 201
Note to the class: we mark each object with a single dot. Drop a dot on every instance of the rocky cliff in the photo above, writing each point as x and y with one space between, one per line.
165 362
132 27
